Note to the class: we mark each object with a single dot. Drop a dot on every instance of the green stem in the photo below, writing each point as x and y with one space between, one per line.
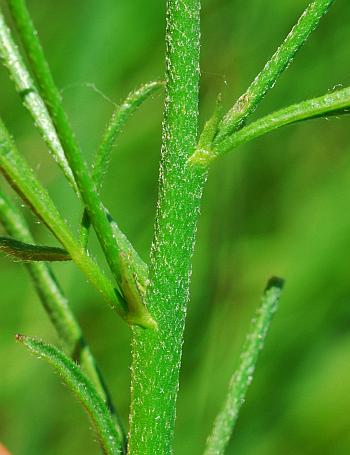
83 389
31 99
87 188
336 103
243 376
157 355
267 78
56 306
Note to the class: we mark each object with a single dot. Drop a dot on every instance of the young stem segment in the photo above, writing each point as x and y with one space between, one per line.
157 355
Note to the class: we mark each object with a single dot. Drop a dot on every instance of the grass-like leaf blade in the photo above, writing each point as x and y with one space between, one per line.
120 116
22 178
241 379
84 391
331 104
27 252
31 99
137 310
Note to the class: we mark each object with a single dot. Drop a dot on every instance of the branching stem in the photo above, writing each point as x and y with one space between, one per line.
267 78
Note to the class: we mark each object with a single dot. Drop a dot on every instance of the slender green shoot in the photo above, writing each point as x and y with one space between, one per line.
267 78
22 178
120 116
330 104
56 306
127 278
32 101
225 421
26 252
84 391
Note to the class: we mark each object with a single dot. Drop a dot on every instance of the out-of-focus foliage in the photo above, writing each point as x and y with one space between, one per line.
279 205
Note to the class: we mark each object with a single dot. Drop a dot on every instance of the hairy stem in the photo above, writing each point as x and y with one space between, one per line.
157 355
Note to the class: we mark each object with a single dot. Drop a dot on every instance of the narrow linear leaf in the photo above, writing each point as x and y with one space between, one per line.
56 306
21 177
54 302
279 62
120 116
32 101
138 313
26 252
330 104
226 419
83 390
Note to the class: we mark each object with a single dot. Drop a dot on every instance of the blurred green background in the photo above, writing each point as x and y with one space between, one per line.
279 206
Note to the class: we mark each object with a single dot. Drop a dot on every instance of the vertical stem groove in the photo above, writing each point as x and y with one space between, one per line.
157 355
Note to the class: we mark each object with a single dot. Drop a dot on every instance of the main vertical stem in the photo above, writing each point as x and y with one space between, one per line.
157 355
